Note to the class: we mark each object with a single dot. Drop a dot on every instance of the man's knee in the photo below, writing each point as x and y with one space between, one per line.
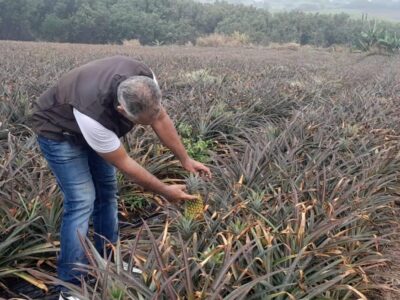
79 201
107 189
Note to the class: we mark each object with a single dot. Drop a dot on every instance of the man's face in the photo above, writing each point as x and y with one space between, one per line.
145 118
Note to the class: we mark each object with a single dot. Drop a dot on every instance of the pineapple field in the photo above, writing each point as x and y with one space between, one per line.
303 203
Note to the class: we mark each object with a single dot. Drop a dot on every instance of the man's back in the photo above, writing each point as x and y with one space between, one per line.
91 89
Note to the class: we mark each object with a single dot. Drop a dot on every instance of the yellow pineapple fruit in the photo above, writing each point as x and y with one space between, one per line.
194 208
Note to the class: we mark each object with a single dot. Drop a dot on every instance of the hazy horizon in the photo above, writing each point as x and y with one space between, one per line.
386 9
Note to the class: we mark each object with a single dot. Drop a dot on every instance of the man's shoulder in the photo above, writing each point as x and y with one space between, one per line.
118 63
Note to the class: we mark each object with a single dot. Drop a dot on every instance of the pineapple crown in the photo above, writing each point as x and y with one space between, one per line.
194 184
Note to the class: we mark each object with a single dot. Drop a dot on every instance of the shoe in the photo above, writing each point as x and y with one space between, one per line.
134 270
66 297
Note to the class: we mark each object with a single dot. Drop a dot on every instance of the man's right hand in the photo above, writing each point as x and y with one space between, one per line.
176 193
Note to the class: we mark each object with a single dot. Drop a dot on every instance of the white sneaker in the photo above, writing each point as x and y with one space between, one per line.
63 297
134 270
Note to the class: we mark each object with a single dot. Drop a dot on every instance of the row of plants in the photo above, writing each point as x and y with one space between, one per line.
303 148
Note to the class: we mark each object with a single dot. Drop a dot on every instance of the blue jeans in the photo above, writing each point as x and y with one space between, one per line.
89 186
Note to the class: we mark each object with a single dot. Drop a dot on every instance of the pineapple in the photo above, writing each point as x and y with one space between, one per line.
194 208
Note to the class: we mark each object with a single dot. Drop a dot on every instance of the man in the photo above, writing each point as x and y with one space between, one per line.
79 122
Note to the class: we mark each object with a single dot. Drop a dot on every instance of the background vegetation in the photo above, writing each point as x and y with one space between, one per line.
388 9
171 21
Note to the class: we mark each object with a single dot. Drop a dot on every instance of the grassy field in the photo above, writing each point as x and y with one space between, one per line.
304 148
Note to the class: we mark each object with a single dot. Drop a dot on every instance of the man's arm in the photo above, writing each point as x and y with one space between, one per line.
121 160
107 145
165 130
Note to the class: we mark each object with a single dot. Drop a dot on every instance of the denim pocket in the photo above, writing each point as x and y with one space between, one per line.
59 150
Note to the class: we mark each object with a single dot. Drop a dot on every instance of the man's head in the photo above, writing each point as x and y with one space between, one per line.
140 99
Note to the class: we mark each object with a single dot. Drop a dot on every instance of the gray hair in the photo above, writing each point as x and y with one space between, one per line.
139 94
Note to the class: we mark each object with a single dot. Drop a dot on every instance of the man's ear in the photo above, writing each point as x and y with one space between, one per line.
121 110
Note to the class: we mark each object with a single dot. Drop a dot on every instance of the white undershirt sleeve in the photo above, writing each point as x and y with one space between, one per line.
99 138
154 78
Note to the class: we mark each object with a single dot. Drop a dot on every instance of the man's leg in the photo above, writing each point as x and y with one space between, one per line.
105 214
69 164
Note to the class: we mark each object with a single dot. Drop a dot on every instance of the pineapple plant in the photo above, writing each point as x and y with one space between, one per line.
186 226
117 292
194 208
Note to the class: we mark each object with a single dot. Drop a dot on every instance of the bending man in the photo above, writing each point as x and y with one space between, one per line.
79 122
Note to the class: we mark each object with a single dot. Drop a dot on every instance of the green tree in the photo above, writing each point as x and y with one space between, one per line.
171 21
14 20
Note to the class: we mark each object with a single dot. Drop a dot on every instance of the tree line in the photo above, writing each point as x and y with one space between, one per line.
171 21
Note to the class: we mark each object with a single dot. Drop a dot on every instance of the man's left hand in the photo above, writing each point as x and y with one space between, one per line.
194 166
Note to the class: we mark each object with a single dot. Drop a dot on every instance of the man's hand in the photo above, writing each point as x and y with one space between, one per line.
165 130
194 166
120 159
177 192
